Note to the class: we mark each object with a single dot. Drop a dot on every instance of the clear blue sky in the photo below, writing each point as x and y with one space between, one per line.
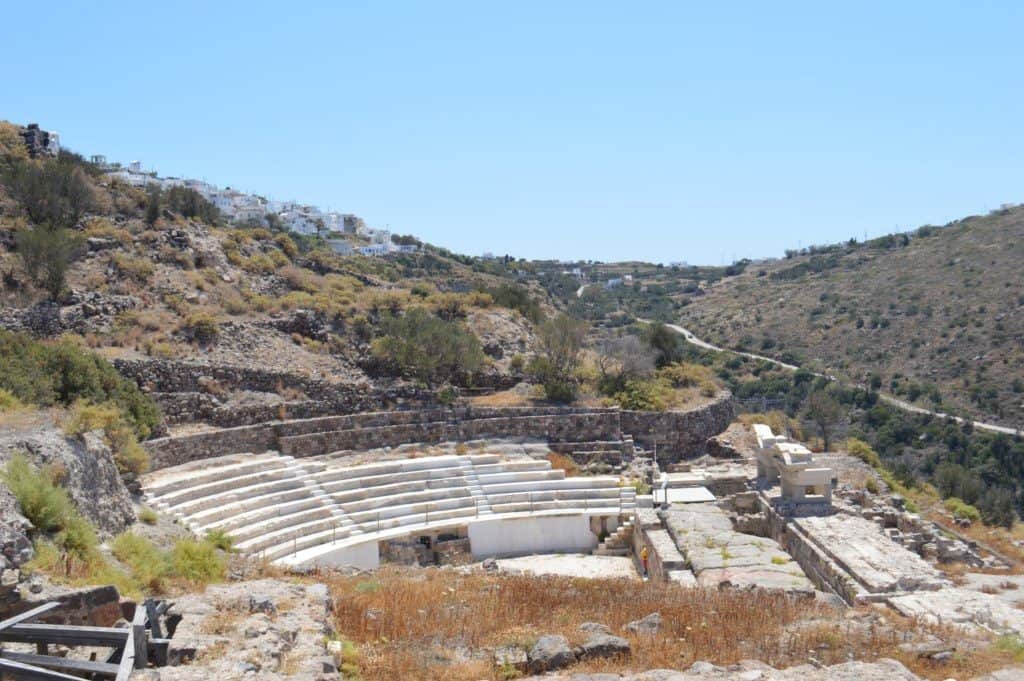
657 131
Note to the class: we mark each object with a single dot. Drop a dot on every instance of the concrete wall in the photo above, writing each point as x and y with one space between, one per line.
365 556
523 536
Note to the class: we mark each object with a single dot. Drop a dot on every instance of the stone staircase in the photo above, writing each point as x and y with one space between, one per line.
476 491
618 544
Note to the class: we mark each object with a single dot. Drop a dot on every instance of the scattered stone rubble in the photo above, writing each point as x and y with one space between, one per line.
265 629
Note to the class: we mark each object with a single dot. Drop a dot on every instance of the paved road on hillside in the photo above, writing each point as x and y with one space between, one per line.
898 403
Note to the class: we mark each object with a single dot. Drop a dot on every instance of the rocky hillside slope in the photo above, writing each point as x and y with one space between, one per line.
167 281
935 316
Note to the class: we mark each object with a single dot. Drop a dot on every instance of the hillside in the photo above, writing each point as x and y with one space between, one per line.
168 278
935 317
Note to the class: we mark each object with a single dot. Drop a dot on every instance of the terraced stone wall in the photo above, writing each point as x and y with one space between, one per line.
678 434
179 389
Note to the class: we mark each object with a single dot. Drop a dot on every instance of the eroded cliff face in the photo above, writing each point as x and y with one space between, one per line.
86 469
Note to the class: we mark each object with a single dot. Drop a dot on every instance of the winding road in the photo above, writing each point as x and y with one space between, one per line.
889 399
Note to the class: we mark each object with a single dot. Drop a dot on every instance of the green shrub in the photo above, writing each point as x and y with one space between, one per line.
62 372
46 505
147 515
644 395
428 348
9 402
78 537
221 539
139 269
197 561
963 510
149 565
1012 645
128 453
286 244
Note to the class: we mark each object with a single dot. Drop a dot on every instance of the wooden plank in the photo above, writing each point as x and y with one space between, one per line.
19 671
66 634
29 614
153 614
157 649
127 665
62 663
139 638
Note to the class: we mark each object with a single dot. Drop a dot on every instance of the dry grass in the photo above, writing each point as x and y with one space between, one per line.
503 398
561 462
439 624
988 538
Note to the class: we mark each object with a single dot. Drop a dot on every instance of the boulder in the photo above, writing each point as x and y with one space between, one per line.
549 653
604 645
88 472
649 625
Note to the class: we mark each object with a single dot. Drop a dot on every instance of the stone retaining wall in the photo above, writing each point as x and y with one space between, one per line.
679 434
177 387
306 437
824 572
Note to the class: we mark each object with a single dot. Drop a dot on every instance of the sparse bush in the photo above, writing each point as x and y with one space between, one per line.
149 565
202 328
961 510
46 254
197 561
644 395
428 348
221 539
139 269
128 453
562 462
560 343
9 402
46 505
147 515
286 244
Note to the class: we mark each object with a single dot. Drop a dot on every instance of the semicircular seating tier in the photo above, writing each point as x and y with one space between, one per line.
316 512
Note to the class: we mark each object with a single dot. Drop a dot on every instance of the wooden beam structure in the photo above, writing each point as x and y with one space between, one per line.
131 647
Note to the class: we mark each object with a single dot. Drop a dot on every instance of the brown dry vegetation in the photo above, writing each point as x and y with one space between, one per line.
438 624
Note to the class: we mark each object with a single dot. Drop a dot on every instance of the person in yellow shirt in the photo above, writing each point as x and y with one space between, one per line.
643 559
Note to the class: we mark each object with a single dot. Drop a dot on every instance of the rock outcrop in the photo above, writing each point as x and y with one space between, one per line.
86 468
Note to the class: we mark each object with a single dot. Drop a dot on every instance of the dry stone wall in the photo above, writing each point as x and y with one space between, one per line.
679 434
178 388
309 437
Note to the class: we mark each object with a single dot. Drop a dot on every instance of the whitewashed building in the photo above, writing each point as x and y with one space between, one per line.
340 246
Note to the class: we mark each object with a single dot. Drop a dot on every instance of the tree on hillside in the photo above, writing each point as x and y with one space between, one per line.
621 360
55 196
666 343
825 412
51 193
560 343
428 348
46 254
152 205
